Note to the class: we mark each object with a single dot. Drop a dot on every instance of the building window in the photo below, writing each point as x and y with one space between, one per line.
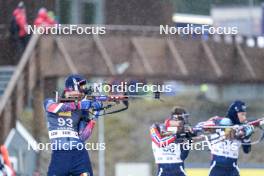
64 11
88 13
77 12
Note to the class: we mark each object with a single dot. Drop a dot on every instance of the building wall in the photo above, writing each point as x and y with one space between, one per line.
248 20
248 92
138 12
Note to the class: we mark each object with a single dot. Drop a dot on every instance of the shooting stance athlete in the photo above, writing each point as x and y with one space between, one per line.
69 126
225 151
167 143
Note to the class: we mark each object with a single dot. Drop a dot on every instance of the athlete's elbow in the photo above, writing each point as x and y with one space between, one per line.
84 137
247 150
85 134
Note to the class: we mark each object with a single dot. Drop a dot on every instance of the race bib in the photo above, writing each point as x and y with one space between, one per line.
226 148
63 133
168 154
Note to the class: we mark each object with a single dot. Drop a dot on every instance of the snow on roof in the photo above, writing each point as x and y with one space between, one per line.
192 19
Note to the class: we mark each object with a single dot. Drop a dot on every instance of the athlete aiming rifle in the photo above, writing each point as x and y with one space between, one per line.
70 125
108 101
225 144
70 120
169 140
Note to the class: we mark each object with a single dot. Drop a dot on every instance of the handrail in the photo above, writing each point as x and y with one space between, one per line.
19 69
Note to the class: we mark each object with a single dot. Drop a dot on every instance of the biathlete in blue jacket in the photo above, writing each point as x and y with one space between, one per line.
69 126
225 148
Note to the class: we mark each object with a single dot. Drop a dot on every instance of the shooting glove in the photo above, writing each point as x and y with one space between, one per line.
244 131
85 104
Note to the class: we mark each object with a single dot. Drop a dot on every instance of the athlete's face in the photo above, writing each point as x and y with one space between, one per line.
69 94
242 117
179 124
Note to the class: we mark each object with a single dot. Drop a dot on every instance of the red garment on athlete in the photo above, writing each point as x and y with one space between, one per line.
158 139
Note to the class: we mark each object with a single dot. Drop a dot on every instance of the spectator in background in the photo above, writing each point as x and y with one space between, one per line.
5 164
52 16
44 18
18 27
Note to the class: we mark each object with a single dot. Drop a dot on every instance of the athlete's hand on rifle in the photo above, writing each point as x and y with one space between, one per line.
244 131
97 105
185 135
96 108
85 104
189 132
